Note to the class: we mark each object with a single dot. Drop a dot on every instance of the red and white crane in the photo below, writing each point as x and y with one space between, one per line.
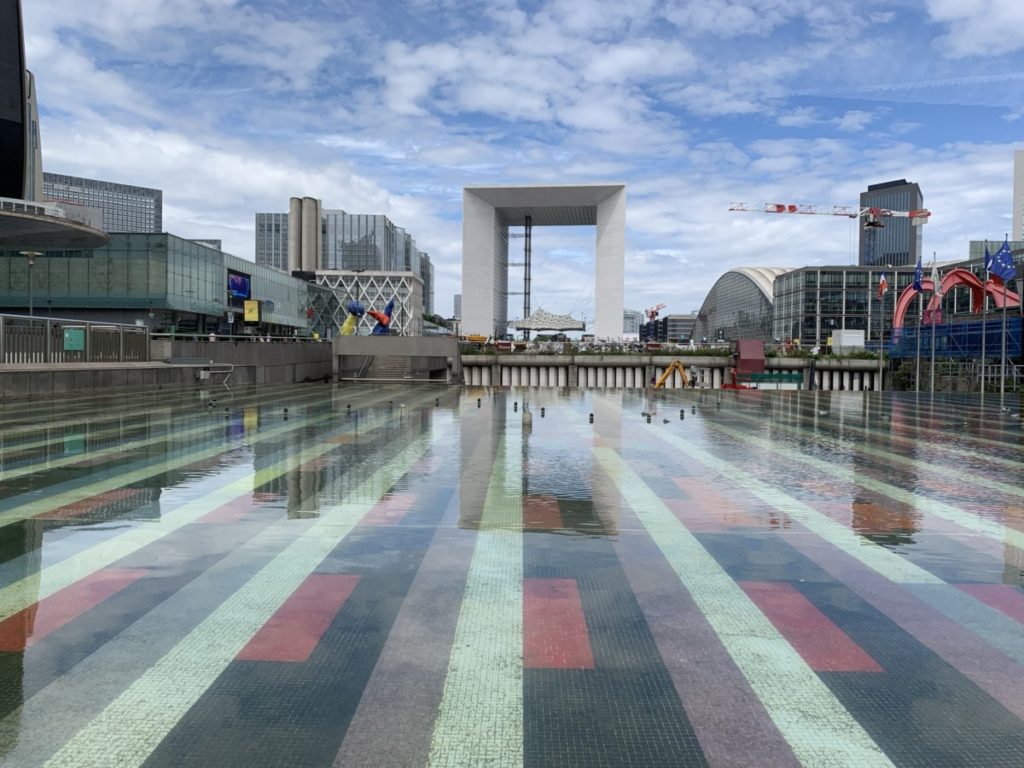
652 313
872 216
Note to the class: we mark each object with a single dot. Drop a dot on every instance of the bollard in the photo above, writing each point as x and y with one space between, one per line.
515 406
682 414
648 418
591 418
478 402
542 412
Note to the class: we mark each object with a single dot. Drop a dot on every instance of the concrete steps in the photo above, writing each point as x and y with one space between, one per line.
388 367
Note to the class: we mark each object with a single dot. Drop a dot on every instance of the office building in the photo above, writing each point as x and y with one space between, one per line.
342 242
457 314
680 328
272 240
166 283
20 148
631 321
893 240
126 208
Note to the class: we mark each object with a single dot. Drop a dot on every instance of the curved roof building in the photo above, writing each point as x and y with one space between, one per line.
739 305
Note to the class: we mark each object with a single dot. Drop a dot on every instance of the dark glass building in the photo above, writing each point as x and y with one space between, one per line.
897 241
13 102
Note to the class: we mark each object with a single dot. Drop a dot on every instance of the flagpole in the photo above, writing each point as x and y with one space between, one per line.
917 373
984 325
1002 370
936 285
881 336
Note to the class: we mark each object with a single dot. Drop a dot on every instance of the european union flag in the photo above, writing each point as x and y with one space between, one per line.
1002 263
918 274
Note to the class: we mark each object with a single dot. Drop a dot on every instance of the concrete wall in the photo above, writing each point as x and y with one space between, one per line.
48 380
275 362
430 357
636 371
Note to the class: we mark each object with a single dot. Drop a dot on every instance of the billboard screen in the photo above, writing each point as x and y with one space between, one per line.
239 285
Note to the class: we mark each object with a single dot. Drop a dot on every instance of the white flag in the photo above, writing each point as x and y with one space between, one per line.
936 281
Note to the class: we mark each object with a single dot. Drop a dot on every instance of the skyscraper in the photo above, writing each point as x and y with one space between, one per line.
897 242
345 241
20 152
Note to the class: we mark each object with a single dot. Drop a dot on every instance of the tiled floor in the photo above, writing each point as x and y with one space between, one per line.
412 576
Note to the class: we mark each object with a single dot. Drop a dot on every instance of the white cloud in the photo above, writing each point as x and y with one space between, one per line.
978 27
232 107
854 120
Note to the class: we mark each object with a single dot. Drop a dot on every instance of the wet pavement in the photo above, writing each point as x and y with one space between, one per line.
317 575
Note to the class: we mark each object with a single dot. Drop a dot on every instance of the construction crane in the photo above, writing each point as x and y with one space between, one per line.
873 217
652 313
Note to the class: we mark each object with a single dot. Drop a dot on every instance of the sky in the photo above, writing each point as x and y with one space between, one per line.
233 107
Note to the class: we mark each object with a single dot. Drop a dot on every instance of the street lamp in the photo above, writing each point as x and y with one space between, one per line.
31 256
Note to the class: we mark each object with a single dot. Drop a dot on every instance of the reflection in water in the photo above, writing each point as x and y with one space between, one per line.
634 524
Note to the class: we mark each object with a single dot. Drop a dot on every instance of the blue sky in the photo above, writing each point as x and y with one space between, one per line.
233 107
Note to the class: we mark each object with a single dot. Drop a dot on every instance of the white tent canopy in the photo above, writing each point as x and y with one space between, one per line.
545 321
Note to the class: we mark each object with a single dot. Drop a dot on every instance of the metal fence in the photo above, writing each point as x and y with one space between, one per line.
26 340
961 341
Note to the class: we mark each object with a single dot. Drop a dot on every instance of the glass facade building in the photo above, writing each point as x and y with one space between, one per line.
350 242
898 242
125 208
738 306
631 320
164 282
812 302
272 240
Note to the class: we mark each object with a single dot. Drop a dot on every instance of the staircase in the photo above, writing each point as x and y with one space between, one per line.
388 367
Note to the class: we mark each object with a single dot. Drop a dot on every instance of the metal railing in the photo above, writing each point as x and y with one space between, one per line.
26 340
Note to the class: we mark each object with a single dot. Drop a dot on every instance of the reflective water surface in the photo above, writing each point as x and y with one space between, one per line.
317 575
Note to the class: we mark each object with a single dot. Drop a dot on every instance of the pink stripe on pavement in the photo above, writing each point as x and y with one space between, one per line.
32 624
823 645
390 510
988 667
293 632
554 628
1002 597
230 511
542 512
705 509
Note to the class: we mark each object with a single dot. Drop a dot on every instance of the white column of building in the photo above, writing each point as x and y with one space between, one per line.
609 265
295 234
483 279
311 237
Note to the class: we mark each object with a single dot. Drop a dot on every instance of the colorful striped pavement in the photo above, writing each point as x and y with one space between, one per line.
415 576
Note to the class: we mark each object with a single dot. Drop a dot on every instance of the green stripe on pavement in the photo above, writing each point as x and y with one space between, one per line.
134 724
480 721
821 732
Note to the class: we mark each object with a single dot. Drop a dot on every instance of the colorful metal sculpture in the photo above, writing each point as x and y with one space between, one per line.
355 311
383 318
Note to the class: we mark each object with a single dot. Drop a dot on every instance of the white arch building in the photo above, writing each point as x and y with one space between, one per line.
488 212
